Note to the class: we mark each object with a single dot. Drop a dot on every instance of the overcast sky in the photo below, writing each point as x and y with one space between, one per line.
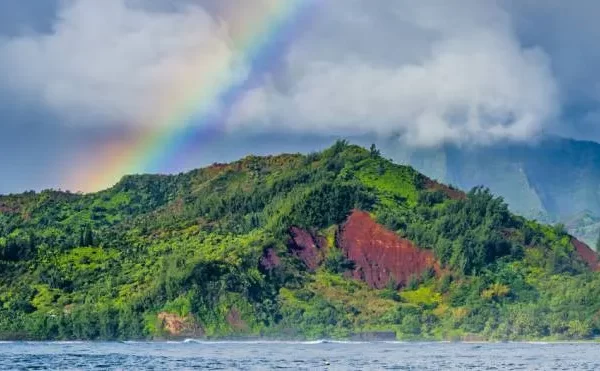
75 74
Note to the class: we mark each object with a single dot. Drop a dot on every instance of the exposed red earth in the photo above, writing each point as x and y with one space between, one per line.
234 318
175 325
269 259
307 247
454 194
586 253
8 209
380 255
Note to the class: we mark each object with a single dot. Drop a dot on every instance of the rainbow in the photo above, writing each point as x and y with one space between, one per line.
260 38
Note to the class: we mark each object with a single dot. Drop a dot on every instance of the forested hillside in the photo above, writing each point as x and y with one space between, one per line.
331 244
554 180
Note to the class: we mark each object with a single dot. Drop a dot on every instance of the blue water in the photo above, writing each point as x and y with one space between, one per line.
318 355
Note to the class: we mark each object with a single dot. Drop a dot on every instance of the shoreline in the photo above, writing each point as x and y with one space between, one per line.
303 342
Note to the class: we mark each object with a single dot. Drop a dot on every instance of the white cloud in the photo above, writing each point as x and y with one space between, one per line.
467 80
118 61
430 70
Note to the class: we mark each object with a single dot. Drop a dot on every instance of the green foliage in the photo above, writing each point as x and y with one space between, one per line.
326 204
374 151
465 234
196 247
336 262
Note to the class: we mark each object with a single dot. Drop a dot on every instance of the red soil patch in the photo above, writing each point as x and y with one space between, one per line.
213 170
380 255
4 208
218 166
234 318
307 247
176 325
269 260
586 253
452 193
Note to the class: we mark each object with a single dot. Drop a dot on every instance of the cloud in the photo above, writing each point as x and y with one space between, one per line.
432 71
467 80
569 32
116 61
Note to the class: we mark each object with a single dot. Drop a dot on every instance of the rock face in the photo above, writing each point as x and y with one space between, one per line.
175 325
450 192
586 253
307 247
269 260
234 318
8 209
381 256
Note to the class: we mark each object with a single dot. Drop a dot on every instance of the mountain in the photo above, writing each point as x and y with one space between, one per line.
341 243
555 180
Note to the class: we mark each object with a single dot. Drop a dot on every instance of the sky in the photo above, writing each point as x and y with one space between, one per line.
79 78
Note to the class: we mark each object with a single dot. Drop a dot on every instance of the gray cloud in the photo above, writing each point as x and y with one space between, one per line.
569 33
18 16
442 74
453 71
435 71
116 60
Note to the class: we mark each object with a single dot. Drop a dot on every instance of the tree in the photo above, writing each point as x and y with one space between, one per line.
374 151
86 238
598 243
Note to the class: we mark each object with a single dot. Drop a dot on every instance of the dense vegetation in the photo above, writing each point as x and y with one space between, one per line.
524 174
117 263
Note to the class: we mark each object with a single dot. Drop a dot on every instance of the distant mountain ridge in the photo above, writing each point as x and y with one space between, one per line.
555 180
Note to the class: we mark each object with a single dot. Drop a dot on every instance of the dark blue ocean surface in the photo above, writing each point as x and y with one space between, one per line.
318 355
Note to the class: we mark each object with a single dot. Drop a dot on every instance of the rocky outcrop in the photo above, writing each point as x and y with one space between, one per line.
586 253
177 326
8 209
269 260
307 246
452 193
234 319
381 256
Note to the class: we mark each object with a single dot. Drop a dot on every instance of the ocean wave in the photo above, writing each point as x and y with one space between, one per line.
536 342
68 342
250 342
51 343
393 342
133 342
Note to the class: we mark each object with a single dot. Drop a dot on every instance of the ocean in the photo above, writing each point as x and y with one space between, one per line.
309 355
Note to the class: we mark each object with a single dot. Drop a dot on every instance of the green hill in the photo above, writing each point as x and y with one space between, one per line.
332 244
554 180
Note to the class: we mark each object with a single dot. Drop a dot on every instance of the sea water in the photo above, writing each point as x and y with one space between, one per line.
291 355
